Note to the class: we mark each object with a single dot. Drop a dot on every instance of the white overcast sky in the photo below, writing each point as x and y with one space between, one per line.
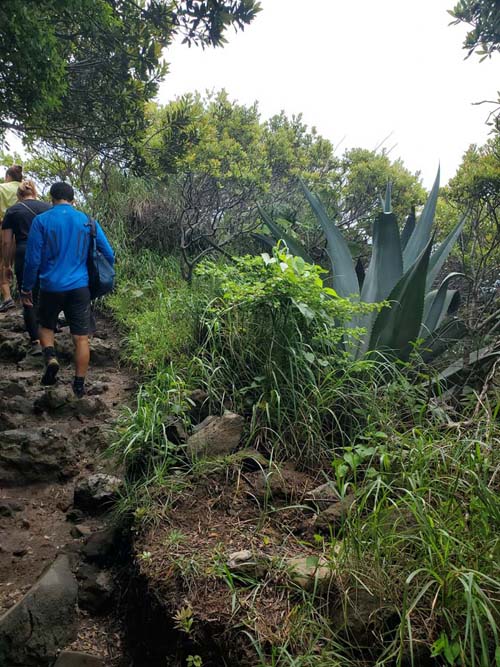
358 70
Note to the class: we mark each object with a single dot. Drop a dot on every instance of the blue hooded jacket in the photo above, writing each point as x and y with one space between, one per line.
57 250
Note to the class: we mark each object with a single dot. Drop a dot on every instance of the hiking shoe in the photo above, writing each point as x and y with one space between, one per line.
51 370
7 305
78 389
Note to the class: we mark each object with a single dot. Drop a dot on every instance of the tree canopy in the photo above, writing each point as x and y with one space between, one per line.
84 69
483 16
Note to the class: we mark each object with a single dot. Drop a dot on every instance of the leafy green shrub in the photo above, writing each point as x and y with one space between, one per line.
276 349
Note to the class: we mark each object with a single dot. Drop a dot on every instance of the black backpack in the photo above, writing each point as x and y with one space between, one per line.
101 273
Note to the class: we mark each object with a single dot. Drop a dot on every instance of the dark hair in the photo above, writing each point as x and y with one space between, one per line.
62 190
15 172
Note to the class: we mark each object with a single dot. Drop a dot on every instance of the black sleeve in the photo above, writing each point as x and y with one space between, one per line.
8 221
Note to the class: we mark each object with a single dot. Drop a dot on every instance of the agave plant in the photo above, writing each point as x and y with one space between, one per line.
402 271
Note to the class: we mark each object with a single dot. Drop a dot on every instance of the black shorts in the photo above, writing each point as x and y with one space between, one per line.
75 305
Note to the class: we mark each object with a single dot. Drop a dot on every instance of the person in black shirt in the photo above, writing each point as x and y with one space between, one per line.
16 225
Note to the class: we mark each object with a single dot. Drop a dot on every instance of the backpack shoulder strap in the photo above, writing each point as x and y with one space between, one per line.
33 213
91 225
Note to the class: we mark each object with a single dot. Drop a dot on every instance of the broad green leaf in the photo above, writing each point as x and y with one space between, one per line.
439 257
386 263
294 246
304 310
398 325
422 232
437 304
343 279
408 228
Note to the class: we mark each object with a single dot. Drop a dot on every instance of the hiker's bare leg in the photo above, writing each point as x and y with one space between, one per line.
46 337
82 355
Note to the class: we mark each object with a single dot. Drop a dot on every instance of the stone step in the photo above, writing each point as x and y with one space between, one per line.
43 621
37 454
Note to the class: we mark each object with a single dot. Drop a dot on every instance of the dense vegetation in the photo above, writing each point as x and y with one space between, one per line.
265 336
350 318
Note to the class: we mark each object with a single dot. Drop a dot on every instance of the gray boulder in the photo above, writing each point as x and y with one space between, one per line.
245 563
13 347
10 389
335 514
7 421
97 493
54 399
95 589
323 496
363 616
17 406
35 455
12 321
9 507
61 401
216 436
43 621
310 572
102 353
102 546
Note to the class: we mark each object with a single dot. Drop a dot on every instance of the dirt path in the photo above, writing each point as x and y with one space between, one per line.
37 481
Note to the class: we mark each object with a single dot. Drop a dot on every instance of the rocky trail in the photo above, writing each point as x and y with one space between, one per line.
56 586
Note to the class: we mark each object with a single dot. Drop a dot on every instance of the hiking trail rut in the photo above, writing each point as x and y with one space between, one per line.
51 443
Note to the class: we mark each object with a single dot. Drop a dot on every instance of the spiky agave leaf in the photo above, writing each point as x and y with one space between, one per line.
439 303
408 228
397 326
476 364
388 195
295 247
386 263
422 232
384 270
344 279
444 337
440 255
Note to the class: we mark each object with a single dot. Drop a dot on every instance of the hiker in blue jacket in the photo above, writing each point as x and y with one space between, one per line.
57 252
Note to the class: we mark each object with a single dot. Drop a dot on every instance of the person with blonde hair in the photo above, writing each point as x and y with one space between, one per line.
8 195
16 226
